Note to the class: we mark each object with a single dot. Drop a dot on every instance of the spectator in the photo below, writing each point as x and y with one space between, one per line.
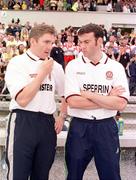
126 8
100 2
4 6
21 49
28 26
53 5
2 29
41 4
132 75
22 41
11 41
36 7
110 52
119 33
109 6
124 52
69 48
24 34
46 5
2 82
63 36
16 28
92 5
7 54
133 47
118 6
9 29
75 38
24 6
57 53
69 4
17 6
112 42
60 5
2 40
3 87
75 6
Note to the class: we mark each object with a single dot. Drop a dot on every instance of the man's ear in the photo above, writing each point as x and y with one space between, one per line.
100 41
32 41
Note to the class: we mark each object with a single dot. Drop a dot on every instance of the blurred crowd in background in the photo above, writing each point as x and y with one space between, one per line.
126 6
118 45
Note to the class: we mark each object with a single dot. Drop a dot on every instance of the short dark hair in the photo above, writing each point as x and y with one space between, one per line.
94 28
41 29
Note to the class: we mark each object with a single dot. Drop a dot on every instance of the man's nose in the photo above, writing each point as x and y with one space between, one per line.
83 47
48 47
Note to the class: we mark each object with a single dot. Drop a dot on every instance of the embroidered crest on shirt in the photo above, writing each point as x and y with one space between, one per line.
109 75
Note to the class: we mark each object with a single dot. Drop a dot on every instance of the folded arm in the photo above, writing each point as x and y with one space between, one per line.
113 101
88 100
80 102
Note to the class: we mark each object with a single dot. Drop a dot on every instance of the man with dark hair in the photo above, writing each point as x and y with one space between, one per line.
94 92
32 79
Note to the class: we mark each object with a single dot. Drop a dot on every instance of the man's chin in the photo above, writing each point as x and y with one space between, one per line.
45 56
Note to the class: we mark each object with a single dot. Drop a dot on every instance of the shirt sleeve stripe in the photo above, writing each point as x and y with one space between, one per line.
124 98
72 95
18 93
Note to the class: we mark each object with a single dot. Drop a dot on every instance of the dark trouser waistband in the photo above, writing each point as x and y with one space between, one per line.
32 112
94 120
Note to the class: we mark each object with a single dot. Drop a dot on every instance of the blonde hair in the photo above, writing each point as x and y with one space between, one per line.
41 29
24 33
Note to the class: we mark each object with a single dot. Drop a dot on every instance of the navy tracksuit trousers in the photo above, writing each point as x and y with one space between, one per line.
31 145
93 138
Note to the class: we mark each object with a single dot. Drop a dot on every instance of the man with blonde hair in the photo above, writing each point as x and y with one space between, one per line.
32 79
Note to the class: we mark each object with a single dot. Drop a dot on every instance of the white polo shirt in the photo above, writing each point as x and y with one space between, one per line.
81 74
22 70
